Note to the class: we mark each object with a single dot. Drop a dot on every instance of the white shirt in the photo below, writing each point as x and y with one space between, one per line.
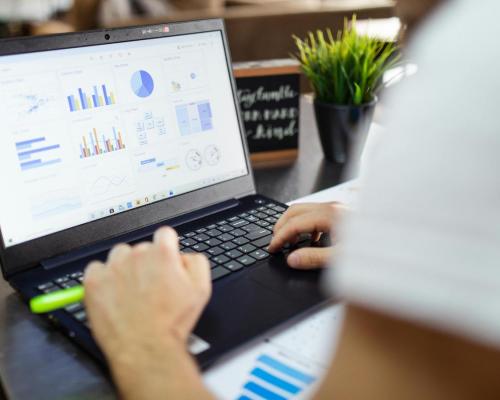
425 242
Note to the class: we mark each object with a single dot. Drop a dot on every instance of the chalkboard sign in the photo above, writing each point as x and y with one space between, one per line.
269 96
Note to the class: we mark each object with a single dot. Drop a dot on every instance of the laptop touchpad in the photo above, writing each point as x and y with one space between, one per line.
288 282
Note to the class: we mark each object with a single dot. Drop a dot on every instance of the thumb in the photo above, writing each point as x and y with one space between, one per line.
198 269
310 257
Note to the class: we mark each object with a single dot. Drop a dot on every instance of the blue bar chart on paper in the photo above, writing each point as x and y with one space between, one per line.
194 117
274 379
37 153
99 96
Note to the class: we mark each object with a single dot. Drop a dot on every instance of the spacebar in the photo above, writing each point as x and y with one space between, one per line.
263 241
219 272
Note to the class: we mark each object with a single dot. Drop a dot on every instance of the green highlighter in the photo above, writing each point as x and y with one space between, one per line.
53 301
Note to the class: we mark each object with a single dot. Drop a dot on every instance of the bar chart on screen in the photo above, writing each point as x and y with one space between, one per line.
97 96
37 152
96 143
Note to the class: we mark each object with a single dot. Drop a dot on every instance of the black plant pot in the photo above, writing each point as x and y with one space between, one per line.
343 129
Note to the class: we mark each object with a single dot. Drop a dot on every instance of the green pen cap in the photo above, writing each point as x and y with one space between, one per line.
45 303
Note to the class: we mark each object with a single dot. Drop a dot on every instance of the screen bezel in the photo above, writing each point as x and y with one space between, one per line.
26 255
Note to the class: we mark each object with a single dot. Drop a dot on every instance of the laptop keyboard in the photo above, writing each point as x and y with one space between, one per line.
231 245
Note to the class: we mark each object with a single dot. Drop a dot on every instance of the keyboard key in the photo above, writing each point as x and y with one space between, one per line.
270 212
251 227
247 248
214 232
201 230
226 228
48 285
228 245
257 234
239 223
251 218
213 242
240 241
278 215
223 222
61 280
262 208
190 234
226 237
51 289
188 242
189 250
200 247
259 254
73 308
219 272
271 220
234 253
263 223
213 226
238 232
262 215
215 251
81 316
201 237
279 209
253 212
221 259
233 219
246 260
70 284
233 265
263 242
76 275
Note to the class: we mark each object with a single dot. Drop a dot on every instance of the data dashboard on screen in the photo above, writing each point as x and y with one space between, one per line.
99 130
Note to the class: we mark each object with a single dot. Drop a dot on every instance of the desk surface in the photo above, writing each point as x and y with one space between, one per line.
37 361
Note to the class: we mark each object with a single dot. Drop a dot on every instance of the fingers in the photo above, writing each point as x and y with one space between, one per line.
310 258
119 253
312 222
93 275
292 211
198 269
166 238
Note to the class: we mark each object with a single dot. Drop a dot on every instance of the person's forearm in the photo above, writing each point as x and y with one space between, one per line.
162 371
380 357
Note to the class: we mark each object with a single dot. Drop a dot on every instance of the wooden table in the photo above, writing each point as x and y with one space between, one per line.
37 361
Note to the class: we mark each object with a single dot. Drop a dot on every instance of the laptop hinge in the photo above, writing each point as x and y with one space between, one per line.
136 235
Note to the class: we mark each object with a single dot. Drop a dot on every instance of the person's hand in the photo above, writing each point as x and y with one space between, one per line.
146 299
313 218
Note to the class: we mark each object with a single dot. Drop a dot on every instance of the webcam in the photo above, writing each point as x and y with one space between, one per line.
106 36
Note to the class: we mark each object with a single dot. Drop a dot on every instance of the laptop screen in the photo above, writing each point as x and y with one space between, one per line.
95 131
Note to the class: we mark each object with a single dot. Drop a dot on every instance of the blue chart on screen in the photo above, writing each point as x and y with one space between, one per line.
142 83
274 379
37 153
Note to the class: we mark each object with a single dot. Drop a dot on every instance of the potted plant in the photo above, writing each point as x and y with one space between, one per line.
346 74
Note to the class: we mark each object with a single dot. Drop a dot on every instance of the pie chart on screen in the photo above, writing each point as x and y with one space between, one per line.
142 83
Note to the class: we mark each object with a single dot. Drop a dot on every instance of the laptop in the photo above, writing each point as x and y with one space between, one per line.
108 135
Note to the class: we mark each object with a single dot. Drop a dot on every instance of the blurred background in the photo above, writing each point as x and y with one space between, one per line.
257 29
